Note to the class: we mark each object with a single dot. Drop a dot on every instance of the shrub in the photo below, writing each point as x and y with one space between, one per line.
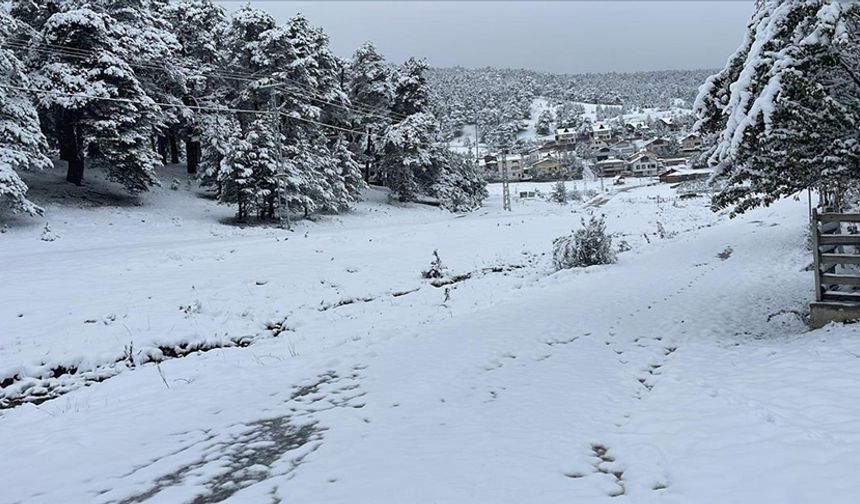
436 269
587 246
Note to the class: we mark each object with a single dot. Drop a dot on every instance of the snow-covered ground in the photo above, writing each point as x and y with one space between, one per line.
681 374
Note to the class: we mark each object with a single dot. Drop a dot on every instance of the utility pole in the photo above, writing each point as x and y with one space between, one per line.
283 208
506 189
477 141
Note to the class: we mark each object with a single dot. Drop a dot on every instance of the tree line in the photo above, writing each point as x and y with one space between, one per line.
268 116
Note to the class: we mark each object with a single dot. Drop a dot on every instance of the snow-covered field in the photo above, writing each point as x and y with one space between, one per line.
681 374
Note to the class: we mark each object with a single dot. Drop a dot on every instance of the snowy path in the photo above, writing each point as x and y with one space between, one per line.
678 375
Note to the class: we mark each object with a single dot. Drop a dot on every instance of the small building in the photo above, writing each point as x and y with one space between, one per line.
660 147
597 143
636 128
565 136
547 168
604 153
668 122
644 165
675 175
601 131
610 167
679 162
493 167
623 148
691 143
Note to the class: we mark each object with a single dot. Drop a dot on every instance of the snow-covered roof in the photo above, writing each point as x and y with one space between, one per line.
641 156
565 131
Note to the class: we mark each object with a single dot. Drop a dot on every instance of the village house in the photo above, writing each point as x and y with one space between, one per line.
675 162
624 148
610 167
659 147
643 165
597 143
604 153
691 143
492 167
547 168
636 129
675 175
564 136
668 122
601 131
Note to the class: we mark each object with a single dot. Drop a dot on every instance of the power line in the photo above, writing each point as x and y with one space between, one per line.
81 54
193 107
354 107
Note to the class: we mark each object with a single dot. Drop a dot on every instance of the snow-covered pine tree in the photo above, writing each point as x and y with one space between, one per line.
98 107
217 130
249 171
371 89
454 180
350 174
559 193
783 115
199 26
404 151
587 246
410 90
544 122
22 144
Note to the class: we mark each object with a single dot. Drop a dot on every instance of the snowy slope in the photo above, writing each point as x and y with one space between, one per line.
673 376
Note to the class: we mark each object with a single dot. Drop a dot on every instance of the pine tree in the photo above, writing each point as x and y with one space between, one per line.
454 180
411 93
98 107
199 26
249 171
22 144
371 89
544 122
559 193
783 115
405 150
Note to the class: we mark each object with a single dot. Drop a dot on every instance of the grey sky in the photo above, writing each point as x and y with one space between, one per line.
564 37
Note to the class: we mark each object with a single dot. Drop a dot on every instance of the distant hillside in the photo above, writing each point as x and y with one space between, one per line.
500 97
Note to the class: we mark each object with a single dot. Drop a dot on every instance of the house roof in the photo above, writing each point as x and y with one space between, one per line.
642 156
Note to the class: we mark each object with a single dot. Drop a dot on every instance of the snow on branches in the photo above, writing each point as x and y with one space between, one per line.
784 113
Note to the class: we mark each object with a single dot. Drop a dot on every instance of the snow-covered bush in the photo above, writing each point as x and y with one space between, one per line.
587 246
436 269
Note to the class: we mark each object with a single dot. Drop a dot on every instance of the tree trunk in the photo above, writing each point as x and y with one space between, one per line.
174 150
70 151
368 152
162 149
192 155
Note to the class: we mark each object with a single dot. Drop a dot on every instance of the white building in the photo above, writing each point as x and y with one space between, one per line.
565 136
644 165
493 167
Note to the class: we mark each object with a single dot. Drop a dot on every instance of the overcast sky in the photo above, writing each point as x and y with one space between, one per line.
555 36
